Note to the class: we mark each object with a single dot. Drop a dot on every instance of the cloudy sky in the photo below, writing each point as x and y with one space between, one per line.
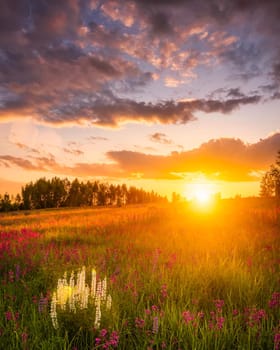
165 95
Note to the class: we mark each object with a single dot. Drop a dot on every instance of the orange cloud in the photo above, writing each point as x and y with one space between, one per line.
222 159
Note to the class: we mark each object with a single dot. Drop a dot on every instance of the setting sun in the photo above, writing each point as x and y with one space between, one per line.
202 196
201 192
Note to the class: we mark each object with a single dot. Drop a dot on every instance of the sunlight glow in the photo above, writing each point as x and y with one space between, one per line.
202 195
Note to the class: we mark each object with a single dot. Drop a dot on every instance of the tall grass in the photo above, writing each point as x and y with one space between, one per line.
178 278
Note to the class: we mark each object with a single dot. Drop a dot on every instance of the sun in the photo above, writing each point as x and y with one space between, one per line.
202 196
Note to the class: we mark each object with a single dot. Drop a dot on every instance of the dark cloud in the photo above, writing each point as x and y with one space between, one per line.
108 110
58 56
160 23
235 93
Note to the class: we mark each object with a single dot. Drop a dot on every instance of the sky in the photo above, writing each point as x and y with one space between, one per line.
163 95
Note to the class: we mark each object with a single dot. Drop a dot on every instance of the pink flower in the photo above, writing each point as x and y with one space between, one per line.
277 341
274 302
97 341
219 304
24 337
8 315
154 308
188 316
220 322
235 312
103 333
163 291
139 322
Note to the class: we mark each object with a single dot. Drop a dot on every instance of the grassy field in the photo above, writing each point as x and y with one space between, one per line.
141 277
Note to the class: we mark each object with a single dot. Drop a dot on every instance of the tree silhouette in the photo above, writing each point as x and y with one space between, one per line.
56 192
270 182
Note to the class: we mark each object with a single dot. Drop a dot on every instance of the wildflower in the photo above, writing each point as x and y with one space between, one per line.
97 341
93 282
11 276
235 312
139 322
24 337
154 308
254 317
78 295
275 300
43 303
155 325
103 289
216 320
114 339
188 317
103 332
17 272
220 322
53 311
277 340
9 316
97 314
163 291
219 304
109 302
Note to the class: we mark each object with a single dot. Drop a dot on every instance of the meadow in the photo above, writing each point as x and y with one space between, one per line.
141 277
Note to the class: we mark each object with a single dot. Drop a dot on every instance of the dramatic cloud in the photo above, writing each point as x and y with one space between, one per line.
111 111
221 159
59 59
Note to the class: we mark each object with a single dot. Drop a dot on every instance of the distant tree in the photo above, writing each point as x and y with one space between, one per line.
6 204
57 193
270 182
176 197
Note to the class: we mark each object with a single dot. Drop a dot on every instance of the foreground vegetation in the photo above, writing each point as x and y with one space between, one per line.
178 278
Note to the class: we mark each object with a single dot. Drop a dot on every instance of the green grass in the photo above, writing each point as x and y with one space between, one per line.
161 263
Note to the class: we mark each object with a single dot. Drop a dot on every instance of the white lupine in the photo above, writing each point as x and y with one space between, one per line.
84 297
93 283
81 280
104 289
53 311
109 302
78 295
98 289
72 306
97 316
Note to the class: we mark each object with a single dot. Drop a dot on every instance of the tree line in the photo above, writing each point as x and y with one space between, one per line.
270 182
57 193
